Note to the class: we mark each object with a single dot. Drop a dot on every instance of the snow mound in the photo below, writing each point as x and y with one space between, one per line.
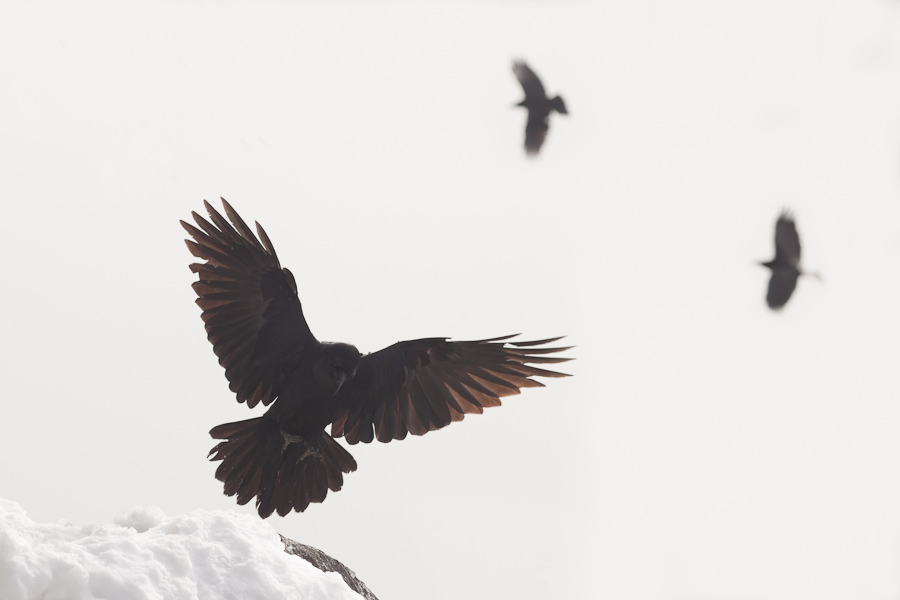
147 555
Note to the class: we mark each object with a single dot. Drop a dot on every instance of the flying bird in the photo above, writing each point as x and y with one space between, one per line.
285 458
538 105
786 264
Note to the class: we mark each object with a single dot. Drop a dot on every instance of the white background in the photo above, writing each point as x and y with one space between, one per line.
706 448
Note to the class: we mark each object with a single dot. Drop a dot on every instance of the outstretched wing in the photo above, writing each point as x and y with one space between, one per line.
787 242
250 305
534 90
536 131
781 286
422 385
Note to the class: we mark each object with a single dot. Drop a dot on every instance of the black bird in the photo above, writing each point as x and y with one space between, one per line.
786 264
255 322
538 105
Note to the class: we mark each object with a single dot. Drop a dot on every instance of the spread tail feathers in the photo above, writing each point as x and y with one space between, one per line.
283 472
558 105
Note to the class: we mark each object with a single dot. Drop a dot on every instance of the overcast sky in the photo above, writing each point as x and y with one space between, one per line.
705 449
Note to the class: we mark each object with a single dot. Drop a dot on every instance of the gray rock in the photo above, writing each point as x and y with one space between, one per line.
325 563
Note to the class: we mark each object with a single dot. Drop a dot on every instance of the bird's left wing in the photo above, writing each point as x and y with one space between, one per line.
422 385
250 305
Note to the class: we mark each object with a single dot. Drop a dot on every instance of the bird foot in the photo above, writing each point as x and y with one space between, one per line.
290 439
314 452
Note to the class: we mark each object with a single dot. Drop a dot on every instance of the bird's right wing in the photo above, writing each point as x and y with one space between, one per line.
250 305
787 241
781 286
534 89
422 385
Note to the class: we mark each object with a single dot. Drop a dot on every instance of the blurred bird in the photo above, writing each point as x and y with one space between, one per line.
786 264
538 105
255 322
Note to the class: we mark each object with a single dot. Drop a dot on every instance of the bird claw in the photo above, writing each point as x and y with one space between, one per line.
296 439
314 452
290 439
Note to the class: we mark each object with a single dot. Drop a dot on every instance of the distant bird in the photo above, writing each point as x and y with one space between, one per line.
255 322
786 264
538 105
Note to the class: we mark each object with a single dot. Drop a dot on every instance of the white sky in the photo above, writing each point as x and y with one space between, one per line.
706 448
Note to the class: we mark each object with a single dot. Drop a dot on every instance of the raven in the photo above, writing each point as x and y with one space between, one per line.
256 325
786 264
538 105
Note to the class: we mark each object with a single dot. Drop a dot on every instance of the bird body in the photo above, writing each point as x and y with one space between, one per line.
305 406
539 107
285 458
785 266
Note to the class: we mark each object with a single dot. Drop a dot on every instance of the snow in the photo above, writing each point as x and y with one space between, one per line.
146 555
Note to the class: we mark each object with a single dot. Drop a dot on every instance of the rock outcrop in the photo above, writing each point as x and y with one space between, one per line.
325 563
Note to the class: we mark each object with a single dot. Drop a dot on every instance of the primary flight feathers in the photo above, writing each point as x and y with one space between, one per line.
422 385
255 322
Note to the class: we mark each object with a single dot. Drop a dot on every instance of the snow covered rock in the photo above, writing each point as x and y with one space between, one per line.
323 562
145 555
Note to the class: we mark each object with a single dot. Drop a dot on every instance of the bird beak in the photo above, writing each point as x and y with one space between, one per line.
341 378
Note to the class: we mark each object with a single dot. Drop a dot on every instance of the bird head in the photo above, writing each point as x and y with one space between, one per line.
337 365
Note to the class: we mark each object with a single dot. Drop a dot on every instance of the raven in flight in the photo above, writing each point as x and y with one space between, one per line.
786 264
538 105
255 322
